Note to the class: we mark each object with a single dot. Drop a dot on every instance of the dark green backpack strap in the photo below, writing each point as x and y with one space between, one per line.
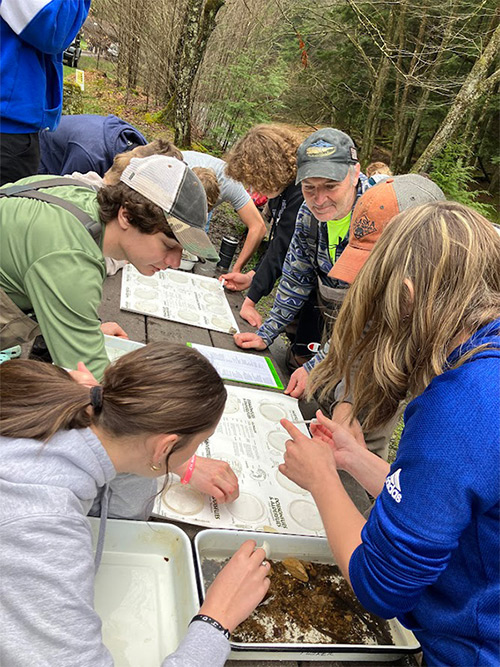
30 191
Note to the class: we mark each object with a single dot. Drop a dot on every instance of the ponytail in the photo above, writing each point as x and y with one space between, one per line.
160 388
37 400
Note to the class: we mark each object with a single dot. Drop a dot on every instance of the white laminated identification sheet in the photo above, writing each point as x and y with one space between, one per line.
251 439
241 366
182 297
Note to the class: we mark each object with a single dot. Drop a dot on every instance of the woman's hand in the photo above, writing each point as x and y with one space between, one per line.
250 341
239 587
236 281
344 445
113 329
297 383
82 375
342 414
213 477
308 462
249 313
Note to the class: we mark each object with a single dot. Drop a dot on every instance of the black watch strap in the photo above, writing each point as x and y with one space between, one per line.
211 621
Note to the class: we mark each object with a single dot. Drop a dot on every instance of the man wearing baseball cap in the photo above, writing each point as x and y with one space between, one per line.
329 172
52 251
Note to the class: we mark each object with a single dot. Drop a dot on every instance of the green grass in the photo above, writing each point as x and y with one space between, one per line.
394 441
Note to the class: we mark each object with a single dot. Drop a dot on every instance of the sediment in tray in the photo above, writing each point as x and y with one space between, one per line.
308 603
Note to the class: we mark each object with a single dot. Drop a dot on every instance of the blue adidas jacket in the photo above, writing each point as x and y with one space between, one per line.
85 142
33 36
430 550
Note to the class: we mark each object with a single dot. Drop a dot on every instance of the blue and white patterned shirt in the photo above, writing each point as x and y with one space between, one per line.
304 263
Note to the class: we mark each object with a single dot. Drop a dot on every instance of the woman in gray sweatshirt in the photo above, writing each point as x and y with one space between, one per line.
62 441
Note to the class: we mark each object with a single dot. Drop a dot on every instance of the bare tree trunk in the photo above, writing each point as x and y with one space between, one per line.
400 111
194 42
377 96
473 87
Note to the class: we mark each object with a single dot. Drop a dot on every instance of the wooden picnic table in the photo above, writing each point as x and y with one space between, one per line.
146 329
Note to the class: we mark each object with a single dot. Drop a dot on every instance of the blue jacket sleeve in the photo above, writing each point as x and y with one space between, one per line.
48 25
442 485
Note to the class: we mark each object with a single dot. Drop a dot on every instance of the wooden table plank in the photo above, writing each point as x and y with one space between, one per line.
133 323
175 332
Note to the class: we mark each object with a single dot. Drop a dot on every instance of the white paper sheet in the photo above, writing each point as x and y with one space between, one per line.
251 439
182 297
241 367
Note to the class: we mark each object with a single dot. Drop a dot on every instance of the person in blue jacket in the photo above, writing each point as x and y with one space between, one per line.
420 321
86 142
33 36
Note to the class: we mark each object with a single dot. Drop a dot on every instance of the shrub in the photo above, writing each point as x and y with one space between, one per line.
453 174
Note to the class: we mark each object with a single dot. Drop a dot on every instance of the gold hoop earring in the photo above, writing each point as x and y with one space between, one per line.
155 468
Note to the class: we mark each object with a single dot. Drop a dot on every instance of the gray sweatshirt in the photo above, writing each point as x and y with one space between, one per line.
47 569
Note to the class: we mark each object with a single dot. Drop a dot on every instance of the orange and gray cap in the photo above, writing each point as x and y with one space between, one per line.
171 185
326 153
374 211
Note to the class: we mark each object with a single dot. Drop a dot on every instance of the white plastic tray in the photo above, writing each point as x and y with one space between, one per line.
223 543
117 347
145 590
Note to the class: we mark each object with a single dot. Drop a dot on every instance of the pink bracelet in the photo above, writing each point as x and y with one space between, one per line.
189 472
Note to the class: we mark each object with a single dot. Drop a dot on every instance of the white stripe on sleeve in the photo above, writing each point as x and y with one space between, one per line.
17 14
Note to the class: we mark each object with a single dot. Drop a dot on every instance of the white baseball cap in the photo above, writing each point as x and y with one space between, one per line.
171 185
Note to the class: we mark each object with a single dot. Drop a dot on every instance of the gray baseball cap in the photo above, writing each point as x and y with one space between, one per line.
326 153
171 185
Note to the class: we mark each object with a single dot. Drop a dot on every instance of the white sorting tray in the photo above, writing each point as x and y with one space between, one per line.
117 347
145 601
223 543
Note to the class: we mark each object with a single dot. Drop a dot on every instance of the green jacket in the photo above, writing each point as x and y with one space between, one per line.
50 263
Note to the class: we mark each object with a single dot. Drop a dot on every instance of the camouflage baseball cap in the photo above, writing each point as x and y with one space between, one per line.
171 185
326 153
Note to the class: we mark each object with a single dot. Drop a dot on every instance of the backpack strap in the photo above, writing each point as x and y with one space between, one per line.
30 191
312 237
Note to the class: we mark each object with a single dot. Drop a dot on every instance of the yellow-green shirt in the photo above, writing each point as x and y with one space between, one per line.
337 230
49 262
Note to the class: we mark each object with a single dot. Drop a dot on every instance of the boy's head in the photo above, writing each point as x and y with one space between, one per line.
161 194
378 168
265 159
122 160
210 183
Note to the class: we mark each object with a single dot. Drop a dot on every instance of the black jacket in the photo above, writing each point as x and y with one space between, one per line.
284 209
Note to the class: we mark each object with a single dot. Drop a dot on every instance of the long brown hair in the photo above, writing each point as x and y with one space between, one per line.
389 341
160 388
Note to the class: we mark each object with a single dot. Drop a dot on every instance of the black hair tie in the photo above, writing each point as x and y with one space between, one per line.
96 397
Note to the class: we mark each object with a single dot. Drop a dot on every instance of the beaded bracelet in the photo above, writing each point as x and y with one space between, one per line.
211 621
189 472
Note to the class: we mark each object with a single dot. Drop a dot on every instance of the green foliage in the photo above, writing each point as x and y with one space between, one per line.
72 98
259 97
453 174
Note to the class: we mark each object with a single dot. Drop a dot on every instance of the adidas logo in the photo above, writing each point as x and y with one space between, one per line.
393 486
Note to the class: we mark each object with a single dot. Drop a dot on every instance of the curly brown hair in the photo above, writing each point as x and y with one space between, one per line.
208 179
142 213
121 160
265 158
